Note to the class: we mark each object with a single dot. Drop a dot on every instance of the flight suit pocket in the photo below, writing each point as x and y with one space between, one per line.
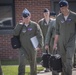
30 31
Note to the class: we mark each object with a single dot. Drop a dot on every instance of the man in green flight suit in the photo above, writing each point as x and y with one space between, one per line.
44 24
27 30
65 32
49 39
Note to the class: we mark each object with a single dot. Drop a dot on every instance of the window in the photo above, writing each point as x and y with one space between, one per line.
7 17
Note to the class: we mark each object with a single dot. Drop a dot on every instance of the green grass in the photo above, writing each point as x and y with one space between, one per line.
9 62
9 68
15 62
13 70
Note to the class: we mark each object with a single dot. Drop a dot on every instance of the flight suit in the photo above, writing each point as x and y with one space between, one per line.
44 27
49 39
66 29
27 51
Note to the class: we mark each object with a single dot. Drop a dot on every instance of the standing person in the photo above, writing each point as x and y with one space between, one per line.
26 30
44 24
65 32
49 39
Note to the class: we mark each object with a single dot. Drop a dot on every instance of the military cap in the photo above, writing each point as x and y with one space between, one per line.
63 3
25 13
52 13
46 10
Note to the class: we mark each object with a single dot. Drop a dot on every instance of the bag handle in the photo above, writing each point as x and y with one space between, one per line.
47 51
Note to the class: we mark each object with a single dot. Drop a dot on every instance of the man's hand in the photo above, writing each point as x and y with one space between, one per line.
55 42
22 21
46 47
55 47
37 48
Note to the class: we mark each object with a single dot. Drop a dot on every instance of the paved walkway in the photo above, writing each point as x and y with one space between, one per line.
50 73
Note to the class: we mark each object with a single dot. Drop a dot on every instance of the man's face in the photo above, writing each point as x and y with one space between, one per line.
27 19
63 9
46 14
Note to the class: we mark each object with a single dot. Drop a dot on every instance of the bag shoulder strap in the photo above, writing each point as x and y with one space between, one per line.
21 29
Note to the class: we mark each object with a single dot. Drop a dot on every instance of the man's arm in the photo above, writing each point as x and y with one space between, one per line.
39 36
48 36
57 31
55 41
17 29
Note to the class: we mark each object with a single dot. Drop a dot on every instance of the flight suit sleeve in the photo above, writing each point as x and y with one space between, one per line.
17 29
48 35
57 27
39 36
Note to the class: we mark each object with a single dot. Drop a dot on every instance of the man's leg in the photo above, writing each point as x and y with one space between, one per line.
33 68
63 57
69 56
21 68
33 64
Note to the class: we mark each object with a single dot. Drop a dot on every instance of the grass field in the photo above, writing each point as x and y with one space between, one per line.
13 70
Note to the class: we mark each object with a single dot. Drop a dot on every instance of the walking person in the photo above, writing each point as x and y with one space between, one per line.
44 24
49 39
65 33
27 30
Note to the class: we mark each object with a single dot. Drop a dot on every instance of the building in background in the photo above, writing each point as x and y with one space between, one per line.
10 14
